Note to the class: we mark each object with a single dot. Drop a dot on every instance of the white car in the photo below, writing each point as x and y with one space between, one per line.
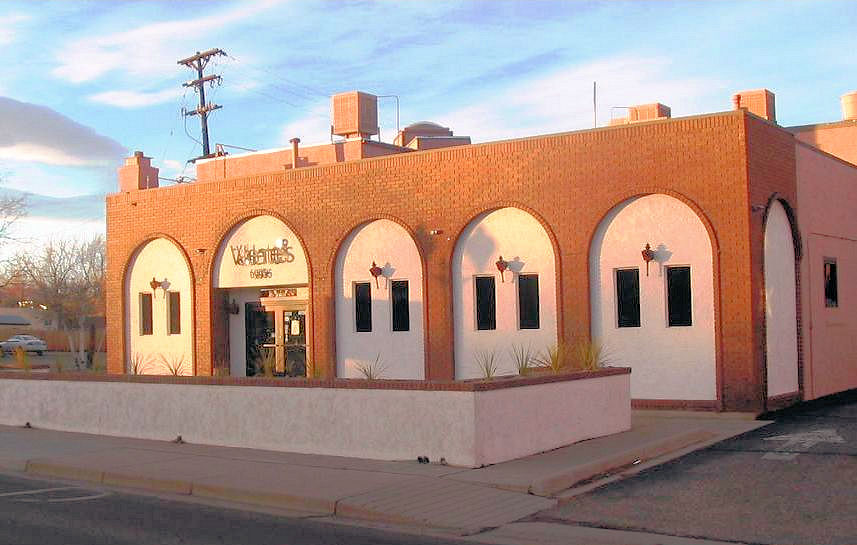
27 342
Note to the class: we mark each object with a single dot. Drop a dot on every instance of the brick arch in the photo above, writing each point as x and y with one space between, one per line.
330 270
626 196
138 247
791 215
475 212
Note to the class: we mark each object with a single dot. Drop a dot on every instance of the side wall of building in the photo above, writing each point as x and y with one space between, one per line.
827 191
570 181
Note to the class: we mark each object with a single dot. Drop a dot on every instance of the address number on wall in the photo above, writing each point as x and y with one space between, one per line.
260 273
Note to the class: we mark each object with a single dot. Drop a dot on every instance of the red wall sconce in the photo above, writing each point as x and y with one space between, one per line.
648 255
502 265
375 271
155 284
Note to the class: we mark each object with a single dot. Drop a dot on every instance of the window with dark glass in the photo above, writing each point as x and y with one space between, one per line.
678 296
486 304
401 314
528 301
175 313
145 314
831 286
628 297
363 306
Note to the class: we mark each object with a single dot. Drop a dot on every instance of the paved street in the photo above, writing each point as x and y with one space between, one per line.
792 482
42 512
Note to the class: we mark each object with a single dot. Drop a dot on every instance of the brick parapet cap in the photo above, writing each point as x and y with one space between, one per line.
473 385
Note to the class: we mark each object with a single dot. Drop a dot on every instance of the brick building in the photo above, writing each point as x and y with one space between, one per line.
709 253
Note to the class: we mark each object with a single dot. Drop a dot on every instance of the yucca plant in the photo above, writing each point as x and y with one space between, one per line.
523 358
138 364
486 361
172 363
555 357
589 355
372 370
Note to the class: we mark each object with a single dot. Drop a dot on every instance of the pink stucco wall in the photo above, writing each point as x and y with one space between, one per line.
827 200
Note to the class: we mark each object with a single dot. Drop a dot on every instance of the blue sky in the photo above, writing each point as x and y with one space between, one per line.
85 83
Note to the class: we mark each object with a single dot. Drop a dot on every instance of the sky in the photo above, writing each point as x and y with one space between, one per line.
85 84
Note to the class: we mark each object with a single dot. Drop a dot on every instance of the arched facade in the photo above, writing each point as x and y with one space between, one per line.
158 294
780 303
260 284
379 318
494 313
659 319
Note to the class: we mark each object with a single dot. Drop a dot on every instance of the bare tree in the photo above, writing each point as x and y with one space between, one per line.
67 276
12 208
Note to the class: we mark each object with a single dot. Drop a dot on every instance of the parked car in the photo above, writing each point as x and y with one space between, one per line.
27 342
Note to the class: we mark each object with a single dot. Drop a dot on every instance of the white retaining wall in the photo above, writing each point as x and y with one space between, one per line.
467 428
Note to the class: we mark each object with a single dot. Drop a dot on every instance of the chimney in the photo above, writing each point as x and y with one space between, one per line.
849 106
137 173
758 101
644 112
355 114
295 142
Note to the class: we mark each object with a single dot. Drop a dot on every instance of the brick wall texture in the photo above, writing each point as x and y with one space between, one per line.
719 164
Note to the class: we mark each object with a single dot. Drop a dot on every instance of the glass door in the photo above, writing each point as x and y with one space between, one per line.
261 339
294 329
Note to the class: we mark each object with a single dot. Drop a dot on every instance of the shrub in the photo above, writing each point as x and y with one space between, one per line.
172 363
372 371
589 355
22 359
138 364
555 357
486 361
523 358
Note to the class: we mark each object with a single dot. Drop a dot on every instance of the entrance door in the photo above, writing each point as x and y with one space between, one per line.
260 329
294 328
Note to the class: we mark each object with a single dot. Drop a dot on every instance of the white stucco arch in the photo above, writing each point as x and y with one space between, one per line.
162 260
401 353
780 303
676 362
522 241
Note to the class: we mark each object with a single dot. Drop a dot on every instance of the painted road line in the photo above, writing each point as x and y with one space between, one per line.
801 442
37 491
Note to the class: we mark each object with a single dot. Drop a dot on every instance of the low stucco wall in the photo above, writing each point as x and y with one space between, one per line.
467 427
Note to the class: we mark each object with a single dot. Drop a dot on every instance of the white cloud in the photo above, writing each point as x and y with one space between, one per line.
30 132
135 99
9 27
148 50
313 128
562 101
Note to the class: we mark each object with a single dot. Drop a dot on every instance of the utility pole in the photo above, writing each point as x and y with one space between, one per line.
197 62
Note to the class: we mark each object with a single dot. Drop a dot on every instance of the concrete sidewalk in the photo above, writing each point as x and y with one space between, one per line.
458 500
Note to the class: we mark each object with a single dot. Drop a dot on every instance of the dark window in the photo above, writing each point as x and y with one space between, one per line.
678 296
401 315
145 314
528 301
175 313
363 306
628 297
485 303
831 284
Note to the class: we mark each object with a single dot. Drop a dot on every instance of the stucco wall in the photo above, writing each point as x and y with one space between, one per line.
780 303
162 260
667 362
386 424
401 352
261 232
524 243
827 191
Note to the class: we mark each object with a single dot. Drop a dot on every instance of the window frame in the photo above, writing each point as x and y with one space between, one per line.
356 322
476 323
828 301
142 315
407 306
690 297
169 309
518 301
618 323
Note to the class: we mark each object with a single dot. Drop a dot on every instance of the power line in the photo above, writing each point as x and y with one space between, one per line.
198 62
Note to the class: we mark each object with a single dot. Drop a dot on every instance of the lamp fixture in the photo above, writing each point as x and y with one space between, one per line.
648 255
375 271
502 265
155 284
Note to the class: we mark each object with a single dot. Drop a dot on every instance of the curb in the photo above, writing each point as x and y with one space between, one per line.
549 486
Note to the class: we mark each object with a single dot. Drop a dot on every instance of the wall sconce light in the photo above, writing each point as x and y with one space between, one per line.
375 271
232 308
648 255
502 265
201 250
155 284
